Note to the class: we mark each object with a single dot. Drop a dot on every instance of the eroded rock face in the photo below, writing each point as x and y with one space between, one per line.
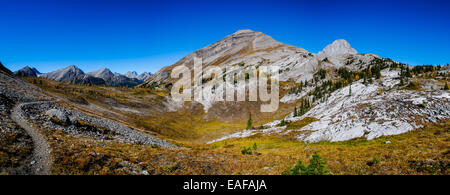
244 47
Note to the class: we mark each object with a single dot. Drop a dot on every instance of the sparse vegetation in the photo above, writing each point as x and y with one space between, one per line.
419 152
250 150
283 122
246 150
407 153
80 144
317 166
374 161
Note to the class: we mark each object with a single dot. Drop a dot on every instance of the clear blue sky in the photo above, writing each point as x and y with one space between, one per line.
147 35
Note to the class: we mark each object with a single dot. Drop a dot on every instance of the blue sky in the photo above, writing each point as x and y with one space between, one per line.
147 35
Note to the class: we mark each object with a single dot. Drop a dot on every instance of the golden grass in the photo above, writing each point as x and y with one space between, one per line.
401 156
409 153
301 123
191 124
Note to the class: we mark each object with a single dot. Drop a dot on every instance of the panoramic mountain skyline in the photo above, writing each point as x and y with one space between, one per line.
144 35
232 88
336 95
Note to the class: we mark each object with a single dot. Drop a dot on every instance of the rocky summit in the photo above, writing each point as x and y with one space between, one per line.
27 71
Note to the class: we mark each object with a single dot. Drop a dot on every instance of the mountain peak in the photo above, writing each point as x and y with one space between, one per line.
67 74
243 31
144 76
106 70
339 47
72 68
131 74
103 73
27 71
243 46
247 34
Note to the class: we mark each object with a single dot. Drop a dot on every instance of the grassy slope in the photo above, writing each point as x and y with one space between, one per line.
419 152
192 125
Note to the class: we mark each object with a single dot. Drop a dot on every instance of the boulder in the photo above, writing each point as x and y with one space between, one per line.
58 114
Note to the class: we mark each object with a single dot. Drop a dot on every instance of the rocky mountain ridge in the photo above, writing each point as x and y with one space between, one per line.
134 75
73 74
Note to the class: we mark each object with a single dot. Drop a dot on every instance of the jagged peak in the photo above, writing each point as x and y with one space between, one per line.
339 47
102 73
71 68
104 70
26 68
131 74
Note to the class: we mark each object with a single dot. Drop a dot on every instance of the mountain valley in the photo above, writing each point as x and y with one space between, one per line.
363 113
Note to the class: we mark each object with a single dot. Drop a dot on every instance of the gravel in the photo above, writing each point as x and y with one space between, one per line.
42 111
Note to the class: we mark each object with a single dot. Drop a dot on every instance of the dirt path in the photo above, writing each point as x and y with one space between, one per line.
40 163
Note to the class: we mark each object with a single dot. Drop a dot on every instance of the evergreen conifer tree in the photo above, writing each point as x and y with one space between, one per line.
249 122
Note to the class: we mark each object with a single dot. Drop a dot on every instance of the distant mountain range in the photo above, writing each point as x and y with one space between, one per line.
134 75
334 95
75 75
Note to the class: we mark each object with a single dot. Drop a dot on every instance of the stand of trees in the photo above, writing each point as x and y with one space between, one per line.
323 88
303 108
